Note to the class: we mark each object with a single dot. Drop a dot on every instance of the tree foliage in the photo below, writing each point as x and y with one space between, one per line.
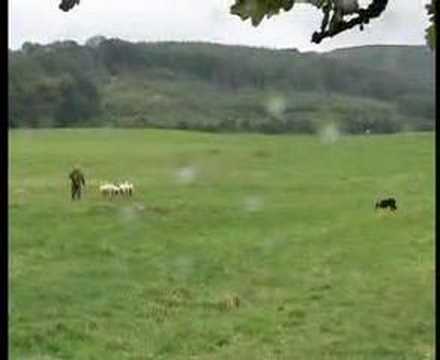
52 85
219 88
430 31
334 13
338 15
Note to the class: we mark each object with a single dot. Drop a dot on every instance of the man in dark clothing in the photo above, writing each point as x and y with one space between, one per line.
77 179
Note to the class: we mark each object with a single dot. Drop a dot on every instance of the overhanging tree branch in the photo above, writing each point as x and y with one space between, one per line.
256 10
375 9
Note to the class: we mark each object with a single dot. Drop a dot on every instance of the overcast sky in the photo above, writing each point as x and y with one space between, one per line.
403 22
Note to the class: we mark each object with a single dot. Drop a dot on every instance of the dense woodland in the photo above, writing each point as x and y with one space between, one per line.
111 82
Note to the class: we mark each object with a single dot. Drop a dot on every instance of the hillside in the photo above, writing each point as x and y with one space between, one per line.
110 82
410 62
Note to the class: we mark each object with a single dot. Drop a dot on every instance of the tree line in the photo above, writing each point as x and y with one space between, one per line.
111 82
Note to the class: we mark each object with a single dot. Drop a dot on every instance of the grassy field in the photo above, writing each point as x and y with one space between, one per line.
285 224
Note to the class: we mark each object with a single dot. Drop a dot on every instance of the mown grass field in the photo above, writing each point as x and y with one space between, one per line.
284 223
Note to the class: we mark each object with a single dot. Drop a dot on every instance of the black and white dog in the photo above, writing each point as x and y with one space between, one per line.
386 203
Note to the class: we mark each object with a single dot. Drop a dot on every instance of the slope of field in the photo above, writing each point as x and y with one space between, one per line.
284 223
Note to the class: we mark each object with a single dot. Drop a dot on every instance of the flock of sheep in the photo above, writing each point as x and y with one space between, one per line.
109 190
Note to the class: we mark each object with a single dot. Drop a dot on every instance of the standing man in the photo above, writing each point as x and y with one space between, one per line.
77 179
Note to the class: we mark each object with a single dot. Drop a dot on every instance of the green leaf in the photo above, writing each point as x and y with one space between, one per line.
430 36
257 9
430 31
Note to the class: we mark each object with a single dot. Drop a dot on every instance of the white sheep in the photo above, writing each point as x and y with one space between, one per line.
122 188
109 190
126 188
105 189
129 188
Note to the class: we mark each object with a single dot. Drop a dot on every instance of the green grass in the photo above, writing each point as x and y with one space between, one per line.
285 223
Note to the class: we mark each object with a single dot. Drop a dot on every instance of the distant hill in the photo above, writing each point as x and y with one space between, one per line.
111 82
408 62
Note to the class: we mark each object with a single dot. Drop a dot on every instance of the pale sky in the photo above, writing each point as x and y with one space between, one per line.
402 23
